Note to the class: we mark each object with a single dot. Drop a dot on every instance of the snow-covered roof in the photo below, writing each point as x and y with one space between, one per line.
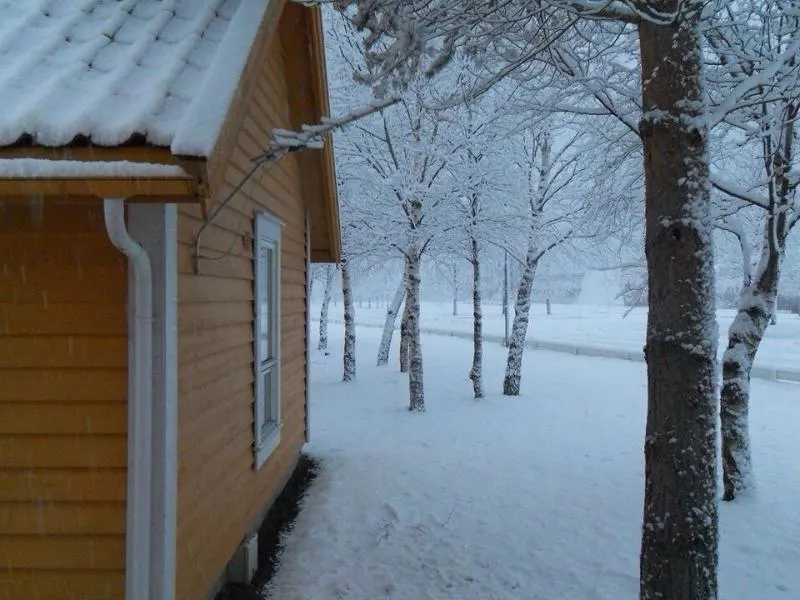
111 70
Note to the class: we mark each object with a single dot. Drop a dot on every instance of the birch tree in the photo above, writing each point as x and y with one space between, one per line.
326 301
389 322
405 333
349 370
757 90
546 176
476 372
479 217
404 152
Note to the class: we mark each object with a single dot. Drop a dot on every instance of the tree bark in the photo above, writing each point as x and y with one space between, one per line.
476 373
758 302
349 325
679 551
323 313
519 329
405 340
757 306
416 391
388 324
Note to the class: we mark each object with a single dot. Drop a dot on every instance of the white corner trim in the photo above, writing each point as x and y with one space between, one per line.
156 226
140 364
169 540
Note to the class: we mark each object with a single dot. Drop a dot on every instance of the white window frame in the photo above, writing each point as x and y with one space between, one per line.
267 433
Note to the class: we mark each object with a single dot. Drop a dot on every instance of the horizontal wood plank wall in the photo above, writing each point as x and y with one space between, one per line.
63 411
219 493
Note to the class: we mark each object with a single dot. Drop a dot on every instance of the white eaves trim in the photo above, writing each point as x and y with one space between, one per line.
43 168
202 123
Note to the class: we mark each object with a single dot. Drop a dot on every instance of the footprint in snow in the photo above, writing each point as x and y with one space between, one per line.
387 525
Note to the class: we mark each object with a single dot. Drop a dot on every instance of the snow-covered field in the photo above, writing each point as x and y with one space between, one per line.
536 497
596 326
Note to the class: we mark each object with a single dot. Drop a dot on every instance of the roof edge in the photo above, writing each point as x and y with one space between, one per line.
328 165
204 120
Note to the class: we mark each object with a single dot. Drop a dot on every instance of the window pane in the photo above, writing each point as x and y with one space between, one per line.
271 309
269 396
270 401
266 307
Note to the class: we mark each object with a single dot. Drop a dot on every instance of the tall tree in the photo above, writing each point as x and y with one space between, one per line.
326 302
405 331
548 172
415 371
479 217
349 370
389 322
748 39
476 372
679 554
406 152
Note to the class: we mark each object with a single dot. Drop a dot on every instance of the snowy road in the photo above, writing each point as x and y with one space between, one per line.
536 497
595 326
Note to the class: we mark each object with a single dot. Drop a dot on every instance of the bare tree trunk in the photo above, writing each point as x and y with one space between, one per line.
476 373
679 551
405 340
349 325
519 330
388 324
744 336
416 391
757 306
323 313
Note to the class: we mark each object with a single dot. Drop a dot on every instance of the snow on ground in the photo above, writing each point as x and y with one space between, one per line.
536 497
597 326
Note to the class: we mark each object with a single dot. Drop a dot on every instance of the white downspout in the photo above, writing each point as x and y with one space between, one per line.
140 397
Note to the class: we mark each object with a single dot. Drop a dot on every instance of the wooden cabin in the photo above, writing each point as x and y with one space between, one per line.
153 287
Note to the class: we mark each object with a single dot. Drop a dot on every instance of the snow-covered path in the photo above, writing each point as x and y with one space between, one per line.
536 497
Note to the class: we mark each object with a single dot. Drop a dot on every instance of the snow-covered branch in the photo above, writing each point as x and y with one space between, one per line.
738 192
312 136
734 226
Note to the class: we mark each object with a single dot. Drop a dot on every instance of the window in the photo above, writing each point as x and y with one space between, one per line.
267 405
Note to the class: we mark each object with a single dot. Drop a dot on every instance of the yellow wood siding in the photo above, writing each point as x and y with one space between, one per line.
63 414
219 492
